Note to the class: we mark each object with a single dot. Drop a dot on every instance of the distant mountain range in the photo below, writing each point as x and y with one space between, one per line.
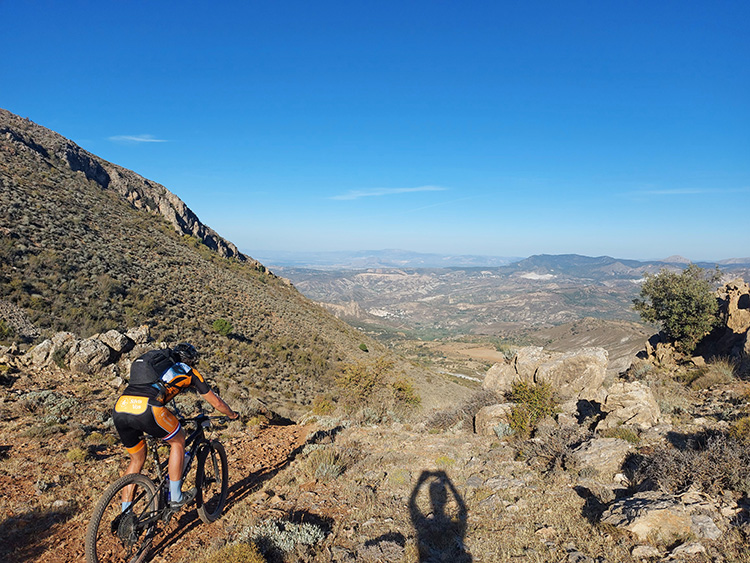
365 259
362 259
532 293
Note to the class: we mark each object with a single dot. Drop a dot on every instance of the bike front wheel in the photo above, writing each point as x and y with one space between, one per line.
117 535
212 481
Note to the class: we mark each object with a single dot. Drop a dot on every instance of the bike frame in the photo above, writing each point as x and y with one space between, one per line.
197 439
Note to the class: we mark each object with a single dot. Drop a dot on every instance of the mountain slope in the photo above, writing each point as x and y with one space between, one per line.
87 246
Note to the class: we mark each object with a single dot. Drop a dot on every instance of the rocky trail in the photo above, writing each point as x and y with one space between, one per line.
33 527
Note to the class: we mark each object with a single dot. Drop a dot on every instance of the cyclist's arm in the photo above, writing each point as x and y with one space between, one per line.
213 399
218 403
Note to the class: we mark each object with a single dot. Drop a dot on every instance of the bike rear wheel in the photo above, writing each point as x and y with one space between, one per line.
212 481
114 535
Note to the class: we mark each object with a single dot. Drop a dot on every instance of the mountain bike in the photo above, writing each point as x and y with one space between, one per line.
117 535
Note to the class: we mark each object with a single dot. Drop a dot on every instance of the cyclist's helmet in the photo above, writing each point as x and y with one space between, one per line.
186 353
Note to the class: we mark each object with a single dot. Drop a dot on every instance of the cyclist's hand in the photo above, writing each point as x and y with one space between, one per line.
236 416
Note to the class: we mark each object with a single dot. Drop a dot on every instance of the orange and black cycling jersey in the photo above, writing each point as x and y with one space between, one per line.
175 380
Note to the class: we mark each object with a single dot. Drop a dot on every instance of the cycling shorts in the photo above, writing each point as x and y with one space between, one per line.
134 416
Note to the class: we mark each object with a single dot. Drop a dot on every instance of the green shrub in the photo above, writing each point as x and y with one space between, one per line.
77 454
363 347
6 331
533 402
405 392
322 406
623 433
58 357
222 326
360 380
683 304
740 430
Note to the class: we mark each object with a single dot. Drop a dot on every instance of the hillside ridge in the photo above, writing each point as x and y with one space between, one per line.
134 188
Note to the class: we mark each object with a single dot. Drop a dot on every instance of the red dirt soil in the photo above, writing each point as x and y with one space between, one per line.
57 536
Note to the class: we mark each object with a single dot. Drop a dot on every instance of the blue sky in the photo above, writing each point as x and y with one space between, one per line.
498 128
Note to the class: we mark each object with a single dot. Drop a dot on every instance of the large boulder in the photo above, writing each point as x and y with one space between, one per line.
735 306
44 354
654 515
573 375
650 514
499 378
630 403
527 361
117 341
605 455
139 335
578 374
41 354
490 417
89 355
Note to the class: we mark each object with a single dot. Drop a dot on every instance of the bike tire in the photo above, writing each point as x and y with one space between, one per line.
212 481
117 536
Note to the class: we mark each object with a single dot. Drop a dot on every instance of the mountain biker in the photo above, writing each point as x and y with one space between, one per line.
141 409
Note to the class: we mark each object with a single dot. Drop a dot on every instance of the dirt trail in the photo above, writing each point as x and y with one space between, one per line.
56 534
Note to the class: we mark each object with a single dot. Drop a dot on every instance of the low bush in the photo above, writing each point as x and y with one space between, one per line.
6 331
713 462
464 412
373 390
740 430
533 403
236 553
325 463
275 538
222 327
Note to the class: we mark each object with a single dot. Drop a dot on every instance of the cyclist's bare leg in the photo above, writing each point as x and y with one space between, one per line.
176 456
137 459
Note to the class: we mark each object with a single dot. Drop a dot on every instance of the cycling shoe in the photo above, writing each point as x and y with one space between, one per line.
187 498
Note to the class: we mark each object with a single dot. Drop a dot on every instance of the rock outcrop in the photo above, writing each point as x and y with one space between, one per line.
604 456
89 355
652 514
492 417
140 192
573 375
577 378
630 403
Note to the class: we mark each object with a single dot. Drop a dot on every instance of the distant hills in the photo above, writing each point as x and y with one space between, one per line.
363 259
353 260
530 294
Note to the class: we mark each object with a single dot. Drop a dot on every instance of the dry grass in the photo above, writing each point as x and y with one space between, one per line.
719 371
236 553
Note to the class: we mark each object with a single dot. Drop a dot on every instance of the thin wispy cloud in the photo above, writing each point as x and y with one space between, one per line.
379 192
136 139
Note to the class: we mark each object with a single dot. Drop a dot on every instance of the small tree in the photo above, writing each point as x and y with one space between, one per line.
682 303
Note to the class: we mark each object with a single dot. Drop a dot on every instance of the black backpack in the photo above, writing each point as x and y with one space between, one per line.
149 368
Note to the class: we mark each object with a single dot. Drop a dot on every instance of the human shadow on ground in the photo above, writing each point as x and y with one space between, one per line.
441 527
